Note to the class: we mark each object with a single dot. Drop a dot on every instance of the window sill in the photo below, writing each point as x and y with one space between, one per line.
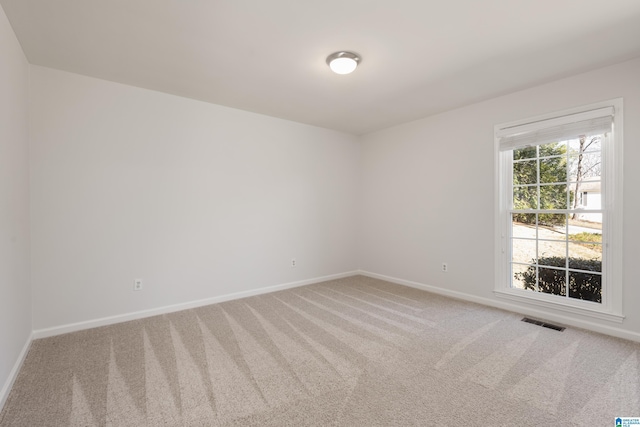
558 306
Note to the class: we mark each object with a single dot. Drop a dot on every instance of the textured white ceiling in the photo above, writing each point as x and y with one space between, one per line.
420 57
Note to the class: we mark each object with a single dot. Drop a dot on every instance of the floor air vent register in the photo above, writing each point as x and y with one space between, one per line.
544 324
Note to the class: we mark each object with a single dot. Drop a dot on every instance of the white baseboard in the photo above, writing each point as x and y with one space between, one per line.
6 388
94 323
529 311
516 308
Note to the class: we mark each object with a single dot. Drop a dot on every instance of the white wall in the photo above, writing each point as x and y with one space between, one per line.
428 189
198 200
201 201
15 292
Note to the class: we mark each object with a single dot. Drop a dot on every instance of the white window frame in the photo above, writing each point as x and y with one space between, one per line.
611 307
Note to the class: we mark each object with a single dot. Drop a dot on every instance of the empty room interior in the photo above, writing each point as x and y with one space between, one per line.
205 221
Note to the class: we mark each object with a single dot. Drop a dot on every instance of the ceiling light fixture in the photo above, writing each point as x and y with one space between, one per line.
343 62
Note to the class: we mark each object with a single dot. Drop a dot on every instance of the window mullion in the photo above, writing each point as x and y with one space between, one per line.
538 207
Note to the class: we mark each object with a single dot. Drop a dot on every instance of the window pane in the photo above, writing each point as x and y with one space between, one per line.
525 153
552 281
552 253
525 172
553 170
525 198
589 165
523 251
555 226
593 143
585 251
553 196
586 221
585 286
588 195
523 225
586 243
553 149
581 258
524 276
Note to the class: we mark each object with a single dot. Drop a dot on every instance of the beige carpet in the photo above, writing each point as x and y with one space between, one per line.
350 352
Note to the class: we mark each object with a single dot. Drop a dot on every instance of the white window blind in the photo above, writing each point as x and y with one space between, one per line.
587 123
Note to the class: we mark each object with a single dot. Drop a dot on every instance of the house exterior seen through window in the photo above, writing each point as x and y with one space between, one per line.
559 209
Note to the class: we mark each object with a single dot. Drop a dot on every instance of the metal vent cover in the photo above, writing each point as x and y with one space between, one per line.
543 324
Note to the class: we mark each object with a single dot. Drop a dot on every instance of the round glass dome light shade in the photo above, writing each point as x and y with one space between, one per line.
343 62
343 65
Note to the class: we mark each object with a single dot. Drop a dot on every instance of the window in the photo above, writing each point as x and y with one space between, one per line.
555 247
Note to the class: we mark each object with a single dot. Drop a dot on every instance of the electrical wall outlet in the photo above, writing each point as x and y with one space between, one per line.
445 267
137 284
293 263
